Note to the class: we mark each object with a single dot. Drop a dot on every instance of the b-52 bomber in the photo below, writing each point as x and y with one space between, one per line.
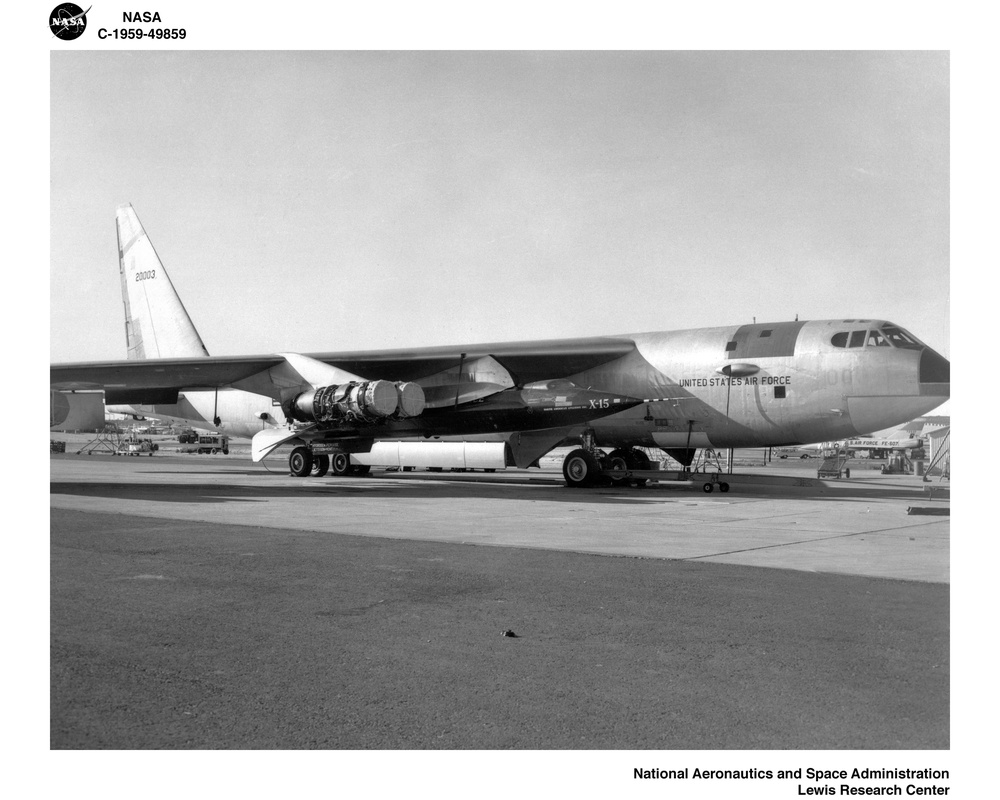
751 385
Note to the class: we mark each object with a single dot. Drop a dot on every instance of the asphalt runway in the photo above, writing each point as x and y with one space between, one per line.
202 602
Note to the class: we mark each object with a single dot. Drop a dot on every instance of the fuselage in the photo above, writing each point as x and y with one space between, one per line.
762 385
736 386
240 413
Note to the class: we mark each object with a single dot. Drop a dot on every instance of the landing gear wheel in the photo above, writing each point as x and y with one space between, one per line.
580 469
340 464
321 465
618 460
300 462
362 469
707 488
636 459
723 486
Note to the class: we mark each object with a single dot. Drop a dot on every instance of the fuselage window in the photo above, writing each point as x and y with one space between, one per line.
765 334
858 338
839 339
900 339
876 339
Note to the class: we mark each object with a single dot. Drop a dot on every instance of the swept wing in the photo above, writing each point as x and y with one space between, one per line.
526 362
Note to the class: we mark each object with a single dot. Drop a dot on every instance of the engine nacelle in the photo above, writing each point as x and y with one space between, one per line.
365 402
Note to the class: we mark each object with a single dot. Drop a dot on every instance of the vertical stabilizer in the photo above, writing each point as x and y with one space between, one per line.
156 322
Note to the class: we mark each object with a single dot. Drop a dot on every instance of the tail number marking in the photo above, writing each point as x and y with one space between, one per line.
147 275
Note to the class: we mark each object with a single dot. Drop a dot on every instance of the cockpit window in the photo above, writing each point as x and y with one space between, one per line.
858 338
876 339
900 338
839 339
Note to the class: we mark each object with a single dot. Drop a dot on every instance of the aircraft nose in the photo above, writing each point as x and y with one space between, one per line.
935 374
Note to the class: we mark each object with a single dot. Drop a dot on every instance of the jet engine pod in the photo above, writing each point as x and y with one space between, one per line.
368 400
376 397
364 401
411 399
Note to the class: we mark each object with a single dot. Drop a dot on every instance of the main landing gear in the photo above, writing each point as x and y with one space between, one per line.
588 466
302 462
591 467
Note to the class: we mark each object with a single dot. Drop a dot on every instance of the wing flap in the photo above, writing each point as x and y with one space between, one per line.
141 397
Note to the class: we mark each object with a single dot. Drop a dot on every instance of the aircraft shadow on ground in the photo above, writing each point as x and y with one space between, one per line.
388 490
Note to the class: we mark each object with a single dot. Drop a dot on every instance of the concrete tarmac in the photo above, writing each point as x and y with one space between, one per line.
205 602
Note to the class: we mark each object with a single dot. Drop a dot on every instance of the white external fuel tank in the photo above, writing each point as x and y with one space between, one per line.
445 455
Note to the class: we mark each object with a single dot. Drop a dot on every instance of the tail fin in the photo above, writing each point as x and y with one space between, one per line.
156 322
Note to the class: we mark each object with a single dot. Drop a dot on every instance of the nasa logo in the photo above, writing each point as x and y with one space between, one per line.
68 21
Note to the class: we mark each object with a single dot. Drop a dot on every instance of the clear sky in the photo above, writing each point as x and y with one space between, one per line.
318 201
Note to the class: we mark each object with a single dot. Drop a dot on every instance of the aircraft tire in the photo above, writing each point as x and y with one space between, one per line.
636 459
707 488
618 460
300 462
362 469
723 486
340 465
321 465
580 469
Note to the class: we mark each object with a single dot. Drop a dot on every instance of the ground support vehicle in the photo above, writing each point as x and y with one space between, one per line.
136 447
210 443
